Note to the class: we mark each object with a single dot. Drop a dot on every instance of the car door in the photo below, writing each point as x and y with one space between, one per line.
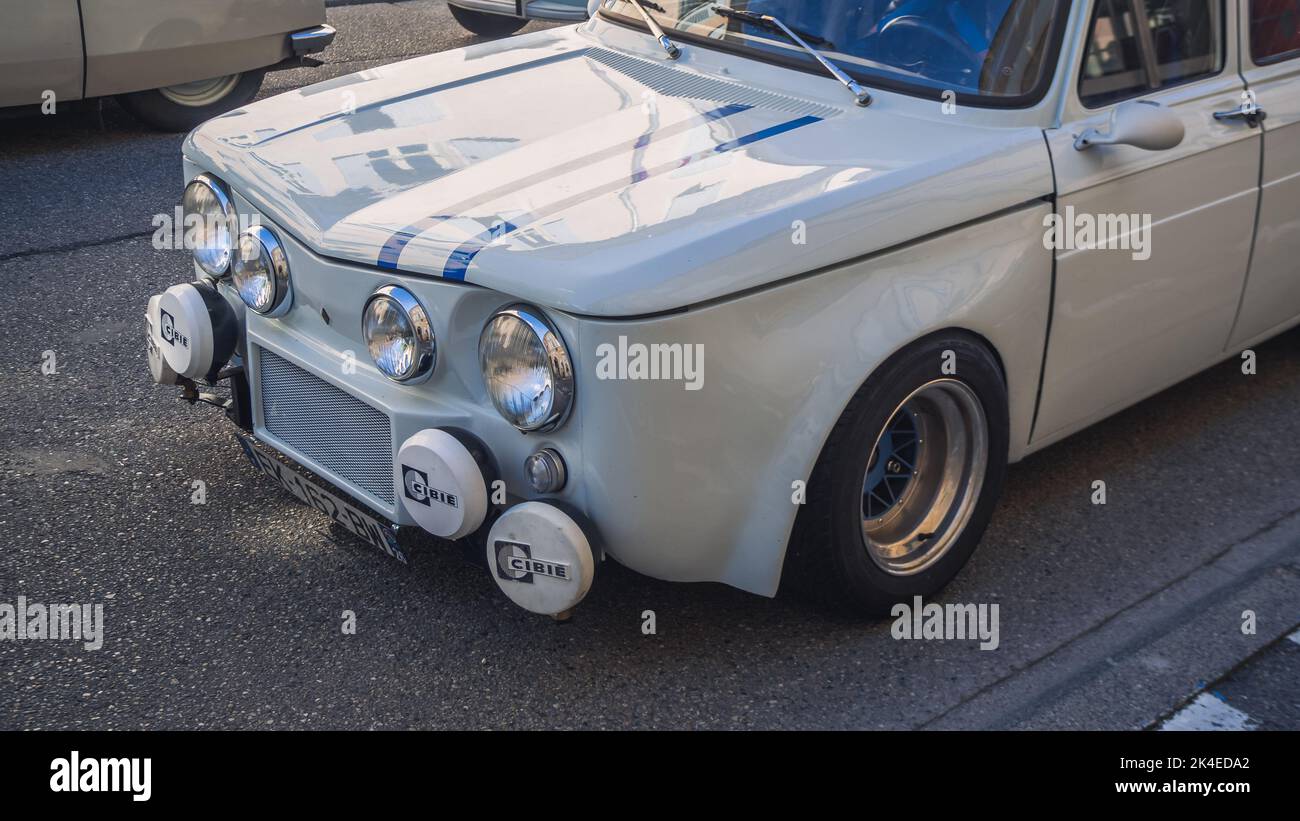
1128 322
1270 45
40 52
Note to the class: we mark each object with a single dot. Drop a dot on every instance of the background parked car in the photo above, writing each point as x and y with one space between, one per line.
497 18
172 63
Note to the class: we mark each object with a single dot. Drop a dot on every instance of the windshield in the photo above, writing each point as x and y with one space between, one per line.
993 51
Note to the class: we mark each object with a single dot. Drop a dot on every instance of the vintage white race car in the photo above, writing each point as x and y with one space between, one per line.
737 292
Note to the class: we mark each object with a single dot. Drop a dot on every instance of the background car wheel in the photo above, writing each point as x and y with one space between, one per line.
487 25
181 107
907 481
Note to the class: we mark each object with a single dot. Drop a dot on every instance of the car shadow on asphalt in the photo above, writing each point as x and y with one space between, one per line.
28 132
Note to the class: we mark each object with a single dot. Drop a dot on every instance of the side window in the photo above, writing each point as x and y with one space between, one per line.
1274 30
1137 46
1113 68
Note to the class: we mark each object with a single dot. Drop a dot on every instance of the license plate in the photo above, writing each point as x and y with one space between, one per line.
343 513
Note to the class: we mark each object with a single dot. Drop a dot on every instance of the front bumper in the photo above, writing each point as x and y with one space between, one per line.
317 397
426 455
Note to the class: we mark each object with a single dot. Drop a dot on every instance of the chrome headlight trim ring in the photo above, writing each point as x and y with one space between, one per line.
425 340
227 205
277 268
559 364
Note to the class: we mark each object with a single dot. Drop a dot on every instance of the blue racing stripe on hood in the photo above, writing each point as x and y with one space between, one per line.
391 251
458 263
741 142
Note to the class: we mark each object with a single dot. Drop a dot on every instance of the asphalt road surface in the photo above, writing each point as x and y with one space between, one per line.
1261 694
229 614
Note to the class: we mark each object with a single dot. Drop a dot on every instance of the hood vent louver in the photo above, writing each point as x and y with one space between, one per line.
673 82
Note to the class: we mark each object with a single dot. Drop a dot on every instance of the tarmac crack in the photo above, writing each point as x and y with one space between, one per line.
73 246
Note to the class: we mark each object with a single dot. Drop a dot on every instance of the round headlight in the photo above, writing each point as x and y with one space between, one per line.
210 232
527 369
261 272
399 335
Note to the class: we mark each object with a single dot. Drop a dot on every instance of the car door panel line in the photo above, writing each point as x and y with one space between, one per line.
85 58
1051 304
1254 238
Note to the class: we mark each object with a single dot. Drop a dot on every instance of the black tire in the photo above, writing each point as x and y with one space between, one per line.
486 25
828 560
154 108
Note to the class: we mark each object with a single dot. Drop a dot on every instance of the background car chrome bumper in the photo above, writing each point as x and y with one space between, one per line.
530 9
312 40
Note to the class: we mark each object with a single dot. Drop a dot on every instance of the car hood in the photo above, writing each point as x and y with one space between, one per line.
558 170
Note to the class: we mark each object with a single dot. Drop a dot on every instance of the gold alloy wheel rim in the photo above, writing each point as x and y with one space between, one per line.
918 496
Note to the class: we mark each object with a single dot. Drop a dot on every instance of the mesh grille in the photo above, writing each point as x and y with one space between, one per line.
673 82
327 425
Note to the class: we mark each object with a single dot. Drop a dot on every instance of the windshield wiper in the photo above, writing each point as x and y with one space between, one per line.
771 23
658 33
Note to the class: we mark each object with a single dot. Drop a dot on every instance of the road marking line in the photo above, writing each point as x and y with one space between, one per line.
1209 713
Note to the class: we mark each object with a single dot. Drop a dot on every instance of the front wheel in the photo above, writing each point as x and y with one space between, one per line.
484 24
907 481
182 107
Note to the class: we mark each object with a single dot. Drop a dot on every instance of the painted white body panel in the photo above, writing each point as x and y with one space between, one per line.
565 169
610 221
1124 327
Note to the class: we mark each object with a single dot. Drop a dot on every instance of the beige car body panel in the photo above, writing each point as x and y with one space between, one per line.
133 45
40 50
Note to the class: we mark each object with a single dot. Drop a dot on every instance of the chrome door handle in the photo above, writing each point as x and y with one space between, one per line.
1249 113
